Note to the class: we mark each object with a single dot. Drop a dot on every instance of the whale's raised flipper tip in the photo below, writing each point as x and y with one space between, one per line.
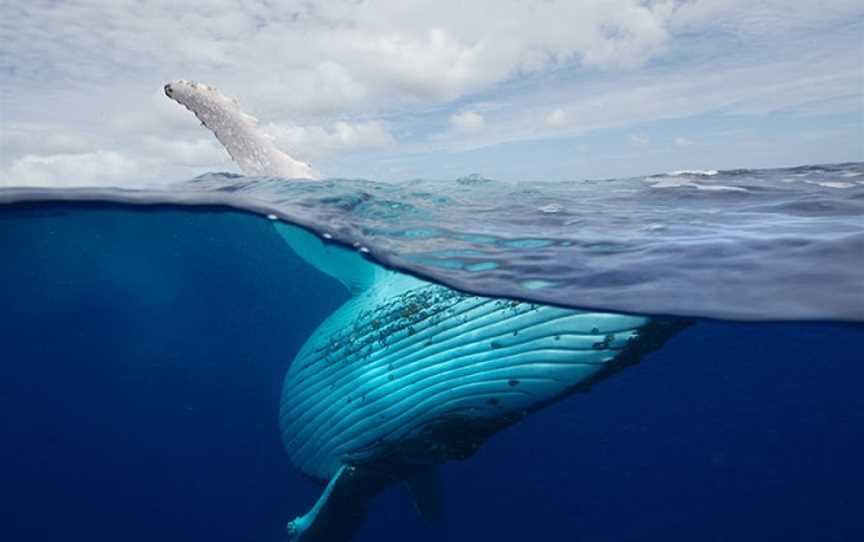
238 132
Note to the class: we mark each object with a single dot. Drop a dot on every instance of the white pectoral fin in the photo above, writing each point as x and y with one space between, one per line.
302 524
347 266
332 518
341 510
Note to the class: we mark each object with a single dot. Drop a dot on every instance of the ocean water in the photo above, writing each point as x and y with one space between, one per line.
144 346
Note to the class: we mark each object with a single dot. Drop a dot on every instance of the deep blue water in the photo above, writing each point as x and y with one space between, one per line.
141 357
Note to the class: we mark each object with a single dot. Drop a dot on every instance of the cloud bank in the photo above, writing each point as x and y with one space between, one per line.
349 82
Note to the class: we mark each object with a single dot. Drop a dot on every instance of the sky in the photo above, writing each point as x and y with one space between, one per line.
401 89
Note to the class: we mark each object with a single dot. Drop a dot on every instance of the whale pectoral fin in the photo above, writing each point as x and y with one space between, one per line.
341 510
427 491
347 266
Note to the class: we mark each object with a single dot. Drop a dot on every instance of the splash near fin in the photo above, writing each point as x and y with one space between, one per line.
347 266
427 490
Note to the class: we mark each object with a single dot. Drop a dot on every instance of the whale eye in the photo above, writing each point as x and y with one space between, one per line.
168 90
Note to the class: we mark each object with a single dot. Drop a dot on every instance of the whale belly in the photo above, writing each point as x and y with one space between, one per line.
425 373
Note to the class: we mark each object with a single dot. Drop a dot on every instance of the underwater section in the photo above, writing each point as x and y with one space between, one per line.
143 353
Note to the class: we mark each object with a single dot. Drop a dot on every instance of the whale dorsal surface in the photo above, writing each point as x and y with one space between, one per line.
407 374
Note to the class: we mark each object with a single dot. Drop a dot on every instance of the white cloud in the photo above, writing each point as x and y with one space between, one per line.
312 142
87 74
661 94
18 137
153 114
82 169
683 142
761 17
639 139
557 118
200 152
335 54
468 121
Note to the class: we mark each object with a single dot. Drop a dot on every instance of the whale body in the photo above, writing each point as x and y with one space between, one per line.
408 374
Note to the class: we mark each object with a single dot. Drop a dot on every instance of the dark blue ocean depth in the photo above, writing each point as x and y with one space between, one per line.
141 358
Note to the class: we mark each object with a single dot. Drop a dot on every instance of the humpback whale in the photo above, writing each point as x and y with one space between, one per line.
408 374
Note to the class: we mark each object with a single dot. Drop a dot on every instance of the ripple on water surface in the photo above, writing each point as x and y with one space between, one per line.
779 244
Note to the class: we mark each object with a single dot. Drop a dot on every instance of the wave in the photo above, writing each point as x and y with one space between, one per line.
744 245
693 172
